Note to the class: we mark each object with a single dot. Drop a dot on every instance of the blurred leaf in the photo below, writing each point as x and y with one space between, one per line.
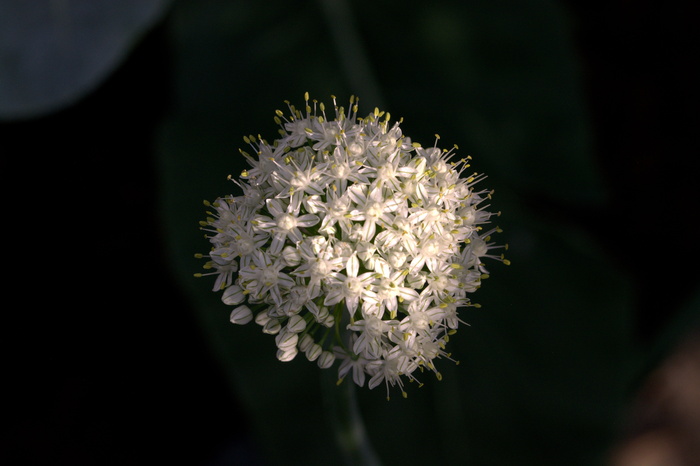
548 361
499 79
53 52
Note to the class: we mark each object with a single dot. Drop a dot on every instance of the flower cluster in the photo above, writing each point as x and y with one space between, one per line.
351 242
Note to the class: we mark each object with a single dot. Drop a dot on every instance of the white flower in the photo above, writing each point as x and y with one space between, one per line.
264 278
352 362
345 227
390 290
349 286
282 224
389 369
343 167
373 330
372 208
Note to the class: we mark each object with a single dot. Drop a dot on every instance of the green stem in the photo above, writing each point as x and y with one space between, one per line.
343 409
347 422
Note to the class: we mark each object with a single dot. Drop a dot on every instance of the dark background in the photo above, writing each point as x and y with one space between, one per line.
106 363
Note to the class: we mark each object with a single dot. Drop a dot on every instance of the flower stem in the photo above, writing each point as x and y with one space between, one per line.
346 419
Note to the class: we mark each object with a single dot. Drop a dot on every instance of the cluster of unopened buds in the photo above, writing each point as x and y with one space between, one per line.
350 242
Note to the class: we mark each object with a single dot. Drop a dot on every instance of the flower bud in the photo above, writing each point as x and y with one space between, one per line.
365 250
287 354
233 295
305 342
314 352
262 318
291 256
286 339
296 324
272 327
321 315
415 280
326 359
329 321
241 315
